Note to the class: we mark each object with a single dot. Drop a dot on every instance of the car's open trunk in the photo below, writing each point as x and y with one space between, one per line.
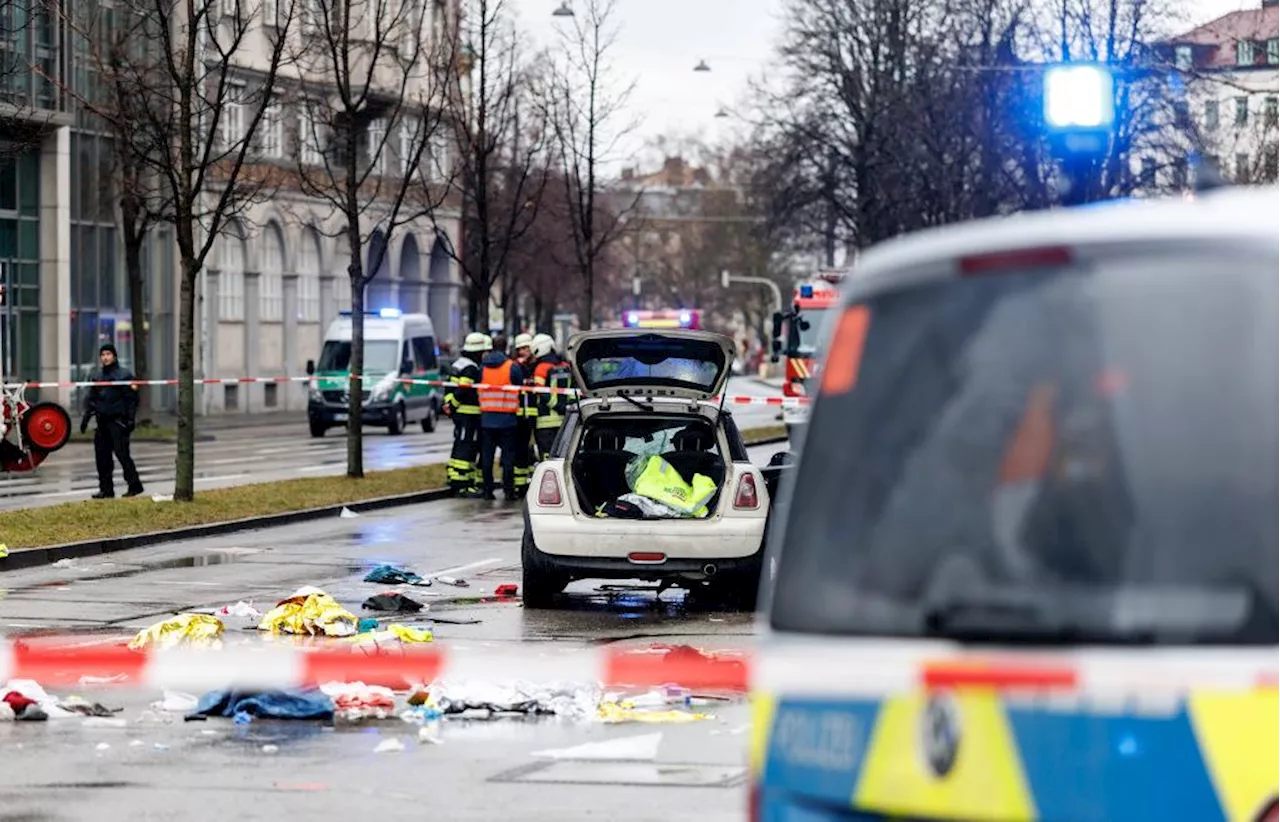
609 443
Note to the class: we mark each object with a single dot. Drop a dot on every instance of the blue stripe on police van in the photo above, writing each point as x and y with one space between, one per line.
1088 767
817 747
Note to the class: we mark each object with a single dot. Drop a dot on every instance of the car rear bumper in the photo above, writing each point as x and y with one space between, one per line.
581 539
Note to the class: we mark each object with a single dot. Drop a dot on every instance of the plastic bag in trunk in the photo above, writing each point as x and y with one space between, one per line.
655 478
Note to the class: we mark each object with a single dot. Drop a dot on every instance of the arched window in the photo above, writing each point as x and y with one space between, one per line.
231 257
271 280
309 276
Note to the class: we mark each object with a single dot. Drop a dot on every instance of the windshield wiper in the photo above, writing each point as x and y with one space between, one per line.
1000 619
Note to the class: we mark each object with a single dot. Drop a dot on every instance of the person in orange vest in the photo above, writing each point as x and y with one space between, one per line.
499 416
550 371
523 356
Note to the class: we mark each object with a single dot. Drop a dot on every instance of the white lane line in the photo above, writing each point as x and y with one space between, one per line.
468 567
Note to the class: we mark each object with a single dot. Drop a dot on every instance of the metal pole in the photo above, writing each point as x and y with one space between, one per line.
765 281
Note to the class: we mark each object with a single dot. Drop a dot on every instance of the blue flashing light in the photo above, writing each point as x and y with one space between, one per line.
1079 96
633 318
389 313
685 318
806 291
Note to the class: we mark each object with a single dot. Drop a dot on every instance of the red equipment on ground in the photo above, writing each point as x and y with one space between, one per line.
29 432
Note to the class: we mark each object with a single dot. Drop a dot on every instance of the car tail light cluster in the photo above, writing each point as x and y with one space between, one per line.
747 497
549 490
1271 813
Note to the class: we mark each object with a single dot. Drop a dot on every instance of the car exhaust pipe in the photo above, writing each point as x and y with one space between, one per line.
709 569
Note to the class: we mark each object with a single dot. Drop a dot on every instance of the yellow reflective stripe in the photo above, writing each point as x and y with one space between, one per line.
468 409
986 782
464 381
539 381
1239 736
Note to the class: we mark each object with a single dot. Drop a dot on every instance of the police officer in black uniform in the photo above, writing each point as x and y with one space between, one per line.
116 407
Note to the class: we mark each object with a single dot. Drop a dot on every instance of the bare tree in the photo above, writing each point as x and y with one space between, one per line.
188 89
502 150
585 106
371 69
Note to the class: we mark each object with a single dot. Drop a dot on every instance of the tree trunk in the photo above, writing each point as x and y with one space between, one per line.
355 385
185 467
133 241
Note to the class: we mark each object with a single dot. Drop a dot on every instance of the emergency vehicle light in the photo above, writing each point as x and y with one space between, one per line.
633 318
685 318
389 313
1079 96
806 291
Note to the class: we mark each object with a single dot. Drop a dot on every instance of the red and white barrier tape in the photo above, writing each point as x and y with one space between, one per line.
530 389
866 669
275 666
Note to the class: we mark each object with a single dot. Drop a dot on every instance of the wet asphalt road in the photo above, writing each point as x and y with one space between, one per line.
262 451
484 770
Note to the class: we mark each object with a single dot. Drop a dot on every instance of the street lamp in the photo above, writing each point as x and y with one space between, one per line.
726 279
563 11
702 66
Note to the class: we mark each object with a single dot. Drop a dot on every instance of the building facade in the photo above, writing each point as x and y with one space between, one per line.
271 285
1228 76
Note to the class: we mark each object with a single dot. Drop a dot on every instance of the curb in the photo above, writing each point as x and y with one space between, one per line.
35 557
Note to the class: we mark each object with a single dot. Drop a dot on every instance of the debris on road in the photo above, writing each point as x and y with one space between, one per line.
307 703
76 705
355 700
477 700
243 613
454 581
70 562
397 603
395 634
310 611
347 513
617 712
184 629
391 575
508 589
176 702
389 746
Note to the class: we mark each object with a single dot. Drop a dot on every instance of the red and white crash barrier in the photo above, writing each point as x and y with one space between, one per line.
871 668
528 389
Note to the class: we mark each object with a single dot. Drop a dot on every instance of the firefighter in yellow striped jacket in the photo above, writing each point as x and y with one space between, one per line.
526 416
462 403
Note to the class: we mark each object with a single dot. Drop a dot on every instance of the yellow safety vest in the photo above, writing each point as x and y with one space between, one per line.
662 483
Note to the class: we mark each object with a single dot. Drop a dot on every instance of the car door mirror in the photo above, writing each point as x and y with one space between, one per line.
311 368
406 368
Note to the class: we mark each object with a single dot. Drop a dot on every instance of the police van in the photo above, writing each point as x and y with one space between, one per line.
396 346
1026 568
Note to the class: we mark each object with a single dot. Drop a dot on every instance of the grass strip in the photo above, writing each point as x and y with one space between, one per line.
107 519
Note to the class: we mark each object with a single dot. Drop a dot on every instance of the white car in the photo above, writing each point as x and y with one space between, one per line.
644 394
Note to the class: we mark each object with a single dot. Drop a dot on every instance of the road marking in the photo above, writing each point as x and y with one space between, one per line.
468 567
224 477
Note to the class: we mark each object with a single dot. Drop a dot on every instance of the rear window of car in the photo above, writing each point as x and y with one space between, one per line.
1086 454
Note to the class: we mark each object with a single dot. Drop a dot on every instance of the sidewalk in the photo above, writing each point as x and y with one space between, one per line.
235 421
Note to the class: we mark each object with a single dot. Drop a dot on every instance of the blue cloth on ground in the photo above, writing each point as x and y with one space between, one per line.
391 575
310 703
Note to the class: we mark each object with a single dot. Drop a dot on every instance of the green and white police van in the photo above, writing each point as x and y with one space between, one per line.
396 346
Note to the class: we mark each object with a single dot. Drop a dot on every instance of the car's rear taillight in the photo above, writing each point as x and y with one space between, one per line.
549 489
746 498
1271 813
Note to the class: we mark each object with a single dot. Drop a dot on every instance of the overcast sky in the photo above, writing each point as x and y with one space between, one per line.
660 42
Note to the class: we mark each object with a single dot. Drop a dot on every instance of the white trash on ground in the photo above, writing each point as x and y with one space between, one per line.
481 699
643 748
